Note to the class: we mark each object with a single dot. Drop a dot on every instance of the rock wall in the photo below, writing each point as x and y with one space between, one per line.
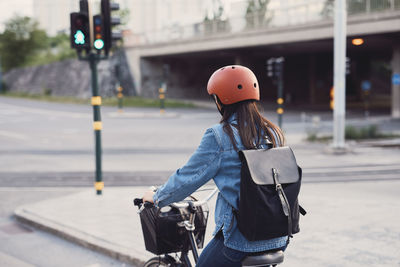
71 78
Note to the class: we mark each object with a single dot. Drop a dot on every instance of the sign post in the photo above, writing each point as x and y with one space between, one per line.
339 75
92 37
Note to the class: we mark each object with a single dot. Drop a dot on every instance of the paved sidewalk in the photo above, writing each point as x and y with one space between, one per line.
348 224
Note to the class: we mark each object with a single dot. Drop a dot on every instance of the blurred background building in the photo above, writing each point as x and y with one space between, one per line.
195 37
250 32
53 16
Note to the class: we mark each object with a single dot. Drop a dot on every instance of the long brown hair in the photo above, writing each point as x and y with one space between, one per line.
253 127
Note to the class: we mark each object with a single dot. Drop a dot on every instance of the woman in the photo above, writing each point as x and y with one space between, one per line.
236 92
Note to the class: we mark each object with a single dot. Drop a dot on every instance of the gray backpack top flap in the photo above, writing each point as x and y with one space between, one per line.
261 162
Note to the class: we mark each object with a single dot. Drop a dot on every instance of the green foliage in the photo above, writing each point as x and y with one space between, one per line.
368 132
20 42
130 101
124 15
355 133
46 91
360 6
215 20
136 101
23 44
4 88
256 13
57 49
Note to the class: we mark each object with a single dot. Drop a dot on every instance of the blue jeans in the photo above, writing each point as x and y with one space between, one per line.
216 254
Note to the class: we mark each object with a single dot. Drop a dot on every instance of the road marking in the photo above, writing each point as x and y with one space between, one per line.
47 111
10 261
352 169
14 135
43 189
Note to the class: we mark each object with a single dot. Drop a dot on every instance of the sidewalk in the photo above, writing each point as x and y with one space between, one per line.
348 223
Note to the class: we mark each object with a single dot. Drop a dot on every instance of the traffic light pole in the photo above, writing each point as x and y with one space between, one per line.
275 71
97 124
280 99
1 79
92 36
339 75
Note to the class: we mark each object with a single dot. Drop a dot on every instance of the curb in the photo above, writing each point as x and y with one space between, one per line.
143 115
77 237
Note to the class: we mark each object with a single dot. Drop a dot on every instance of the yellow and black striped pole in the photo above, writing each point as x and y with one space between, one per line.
279 73
280 110
161 94
120 97
97 124
332 98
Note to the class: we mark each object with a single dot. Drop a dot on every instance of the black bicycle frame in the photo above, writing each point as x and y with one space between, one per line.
192 243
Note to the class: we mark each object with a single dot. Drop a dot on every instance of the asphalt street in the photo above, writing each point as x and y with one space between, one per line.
25 246
50 144
47 151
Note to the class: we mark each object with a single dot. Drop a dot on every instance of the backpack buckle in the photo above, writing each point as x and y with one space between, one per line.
278 187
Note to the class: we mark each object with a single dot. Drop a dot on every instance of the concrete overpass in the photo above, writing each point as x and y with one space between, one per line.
194 51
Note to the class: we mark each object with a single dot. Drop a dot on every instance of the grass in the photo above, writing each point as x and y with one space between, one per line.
368 132
131 101
353 133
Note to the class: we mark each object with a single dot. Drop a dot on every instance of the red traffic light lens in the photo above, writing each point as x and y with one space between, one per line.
79 22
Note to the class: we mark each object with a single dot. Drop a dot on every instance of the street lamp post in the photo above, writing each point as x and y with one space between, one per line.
339 74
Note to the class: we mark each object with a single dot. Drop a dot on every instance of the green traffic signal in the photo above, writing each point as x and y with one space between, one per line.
79 38
98 44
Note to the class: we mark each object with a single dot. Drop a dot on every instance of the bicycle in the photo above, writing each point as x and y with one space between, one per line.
189 237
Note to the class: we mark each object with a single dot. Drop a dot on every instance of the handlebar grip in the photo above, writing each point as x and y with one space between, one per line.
148 205
138 201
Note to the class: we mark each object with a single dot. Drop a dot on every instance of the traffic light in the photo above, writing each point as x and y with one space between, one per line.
279 66
80 38
98 35
80 31
275 67
270 67
109 22
348 65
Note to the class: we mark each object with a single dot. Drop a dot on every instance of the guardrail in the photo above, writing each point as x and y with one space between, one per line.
273 17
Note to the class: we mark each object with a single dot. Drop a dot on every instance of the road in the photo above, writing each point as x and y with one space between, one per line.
49 144
47 150
24 246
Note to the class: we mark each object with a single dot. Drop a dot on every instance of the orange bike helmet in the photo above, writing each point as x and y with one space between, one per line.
233 84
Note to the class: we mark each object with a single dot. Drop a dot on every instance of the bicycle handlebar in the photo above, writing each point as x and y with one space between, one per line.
180 205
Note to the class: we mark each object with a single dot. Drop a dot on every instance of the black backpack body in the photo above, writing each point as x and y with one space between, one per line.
269 188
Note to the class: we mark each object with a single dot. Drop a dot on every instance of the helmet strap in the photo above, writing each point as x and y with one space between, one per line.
219 105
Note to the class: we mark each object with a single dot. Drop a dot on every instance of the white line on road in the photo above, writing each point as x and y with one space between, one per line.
43 189
47 111
14 135
10 261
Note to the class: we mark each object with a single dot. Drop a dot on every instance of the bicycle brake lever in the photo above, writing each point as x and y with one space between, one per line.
140 209
145 205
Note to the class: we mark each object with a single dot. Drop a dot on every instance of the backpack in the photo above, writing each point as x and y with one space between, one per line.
269 187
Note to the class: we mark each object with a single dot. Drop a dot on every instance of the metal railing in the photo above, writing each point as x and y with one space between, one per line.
274 17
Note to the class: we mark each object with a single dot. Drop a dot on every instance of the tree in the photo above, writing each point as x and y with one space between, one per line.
256 13
215 19
20 42
359 6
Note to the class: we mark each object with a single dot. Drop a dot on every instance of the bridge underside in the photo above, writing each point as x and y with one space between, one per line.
308 71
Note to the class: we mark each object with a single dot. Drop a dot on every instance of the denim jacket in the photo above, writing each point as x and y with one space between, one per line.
216 159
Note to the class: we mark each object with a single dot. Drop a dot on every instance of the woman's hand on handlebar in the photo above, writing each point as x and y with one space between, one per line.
148 196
